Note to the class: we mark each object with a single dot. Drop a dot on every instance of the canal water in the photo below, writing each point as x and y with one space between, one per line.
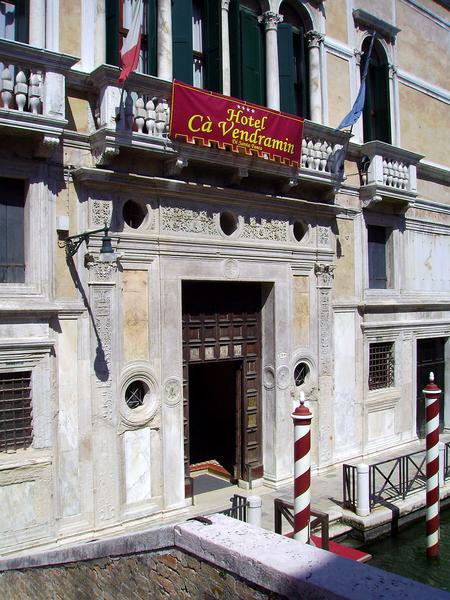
404 554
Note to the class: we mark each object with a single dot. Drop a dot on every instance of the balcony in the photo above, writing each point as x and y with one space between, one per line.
388 175
32 93
140 116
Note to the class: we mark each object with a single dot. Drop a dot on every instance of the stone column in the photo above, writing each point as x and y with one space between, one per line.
100 34
314 40
324 274
358 126
226 71
271 20
37 23
164 51
52 25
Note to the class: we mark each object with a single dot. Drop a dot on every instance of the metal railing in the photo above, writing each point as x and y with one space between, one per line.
238 508
319 520
391 479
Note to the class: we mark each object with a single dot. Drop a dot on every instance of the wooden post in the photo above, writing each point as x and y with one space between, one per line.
302 471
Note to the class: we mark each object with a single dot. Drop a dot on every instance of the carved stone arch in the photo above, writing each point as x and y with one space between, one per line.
305 11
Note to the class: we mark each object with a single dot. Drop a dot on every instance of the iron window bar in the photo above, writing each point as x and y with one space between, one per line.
16 419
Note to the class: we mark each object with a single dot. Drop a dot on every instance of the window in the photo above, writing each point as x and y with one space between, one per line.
118 21
381 365
14 20
197 53
12 246
379 256
376 113
15 411
247 51
293 62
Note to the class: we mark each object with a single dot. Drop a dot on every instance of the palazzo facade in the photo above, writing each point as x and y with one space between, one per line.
240 282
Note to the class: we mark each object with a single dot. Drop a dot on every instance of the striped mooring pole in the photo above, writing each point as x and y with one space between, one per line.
302 470
432 397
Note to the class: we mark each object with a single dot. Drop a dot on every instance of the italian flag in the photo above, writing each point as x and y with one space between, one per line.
129 55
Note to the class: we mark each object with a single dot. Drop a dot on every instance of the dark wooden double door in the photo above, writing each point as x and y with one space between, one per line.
222 376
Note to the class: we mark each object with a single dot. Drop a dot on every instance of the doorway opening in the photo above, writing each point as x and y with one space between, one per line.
430 357
214 411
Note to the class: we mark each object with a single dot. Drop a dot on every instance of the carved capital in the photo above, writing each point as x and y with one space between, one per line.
270 20
358 55
371 200
105 155
392 70
324 274
314 39
226 5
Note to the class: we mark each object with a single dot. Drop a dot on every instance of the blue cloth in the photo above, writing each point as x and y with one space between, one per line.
358 106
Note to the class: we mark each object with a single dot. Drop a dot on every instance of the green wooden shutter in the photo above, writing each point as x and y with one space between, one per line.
286 67
12 246
112 32
252 59
234 26
182 40
302 76
381 100
21 19
151 36
213 46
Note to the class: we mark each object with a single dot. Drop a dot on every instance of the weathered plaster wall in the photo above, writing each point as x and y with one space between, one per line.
336 23
339 101
424 122
427 267
422 46
383 9
78 112
70 27
135 315
301 310
344 276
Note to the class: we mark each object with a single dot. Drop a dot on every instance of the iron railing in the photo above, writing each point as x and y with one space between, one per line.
391 479
319 520
238 508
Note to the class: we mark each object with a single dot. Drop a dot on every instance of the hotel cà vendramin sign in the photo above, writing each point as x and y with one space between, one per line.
199 116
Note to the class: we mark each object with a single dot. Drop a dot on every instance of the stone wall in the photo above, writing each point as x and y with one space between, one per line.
167 574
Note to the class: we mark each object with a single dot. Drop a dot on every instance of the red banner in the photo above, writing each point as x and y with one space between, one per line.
207 117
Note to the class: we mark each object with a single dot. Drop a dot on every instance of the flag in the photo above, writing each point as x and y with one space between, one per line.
357 108
129 55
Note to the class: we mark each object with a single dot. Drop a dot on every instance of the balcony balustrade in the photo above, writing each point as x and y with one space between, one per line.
32 90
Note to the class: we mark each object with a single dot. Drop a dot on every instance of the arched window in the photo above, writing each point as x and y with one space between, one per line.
293 61
376 113
247 51
197 53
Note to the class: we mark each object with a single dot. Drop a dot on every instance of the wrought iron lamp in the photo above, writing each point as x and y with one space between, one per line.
73 243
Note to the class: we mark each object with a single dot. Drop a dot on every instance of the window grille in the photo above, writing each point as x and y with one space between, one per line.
381 365
15 411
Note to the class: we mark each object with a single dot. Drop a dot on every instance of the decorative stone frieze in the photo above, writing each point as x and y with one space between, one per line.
266 229
175 219
324 274
323 235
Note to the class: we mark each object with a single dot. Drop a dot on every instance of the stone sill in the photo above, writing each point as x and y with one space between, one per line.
21 459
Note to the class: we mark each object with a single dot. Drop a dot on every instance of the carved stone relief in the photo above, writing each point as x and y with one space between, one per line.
231 269
283 377
185 220
101 211
265 229
323 235
269 378
172 391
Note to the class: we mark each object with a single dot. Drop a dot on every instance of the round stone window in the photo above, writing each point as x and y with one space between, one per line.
134 213
299 230
301 372
228 222
135 394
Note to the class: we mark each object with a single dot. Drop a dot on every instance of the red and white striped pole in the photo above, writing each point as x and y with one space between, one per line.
432 396
302 470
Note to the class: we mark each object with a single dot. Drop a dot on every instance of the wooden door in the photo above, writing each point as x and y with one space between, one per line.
222 322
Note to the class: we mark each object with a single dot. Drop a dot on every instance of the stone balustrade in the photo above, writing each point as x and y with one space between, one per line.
32 81
389 167
322 149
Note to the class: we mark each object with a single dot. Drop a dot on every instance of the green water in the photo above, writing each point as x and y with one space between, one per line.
405 554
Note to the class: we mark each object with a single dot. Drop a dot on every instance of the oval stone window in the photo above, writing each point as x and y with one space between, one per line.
135 394
299 230
134 213
301 372
228 223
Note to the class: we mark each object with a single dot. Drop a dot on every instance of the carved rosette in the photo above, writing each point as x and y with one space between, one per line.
273 230
314 39
270 20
